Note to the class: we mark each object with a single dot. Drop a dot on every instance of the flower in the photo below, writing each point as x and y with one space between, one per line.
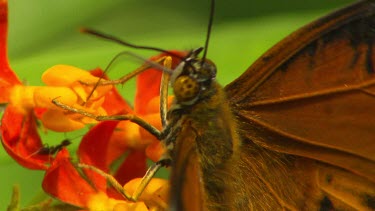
18 131
63 83
105 144
28 104
7 77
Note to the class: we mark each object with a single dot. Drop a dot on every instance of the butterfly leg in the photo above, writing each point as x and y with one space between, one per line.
164 91
148 176
115 184
130 117
165 161
155 197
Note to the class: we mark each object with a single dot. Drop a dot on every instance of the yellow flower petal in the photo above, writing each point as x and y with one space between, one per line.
56 120
83 91
96 105
101 202
65 75
43 96
22 97
154 196
137 206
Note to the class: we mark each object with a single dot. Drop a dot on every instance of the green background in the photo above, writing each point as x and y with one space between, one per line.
45 32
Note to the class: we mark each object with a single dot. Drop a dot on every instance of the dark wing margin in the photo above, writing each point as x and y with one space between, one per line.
313 94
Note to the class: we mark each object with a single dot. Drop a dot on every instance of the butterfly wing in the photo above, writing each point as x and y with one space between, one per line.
186 186
313 94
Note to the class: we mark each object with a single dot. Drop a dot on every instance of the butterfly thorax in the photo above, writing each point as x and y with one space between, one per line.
206 142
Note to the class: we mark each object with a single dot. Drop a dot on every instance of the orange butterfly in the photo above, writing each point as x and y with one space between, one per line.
294 132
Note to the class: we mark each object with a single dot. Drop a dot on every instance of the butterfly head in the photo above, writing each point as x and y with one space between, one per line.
192 77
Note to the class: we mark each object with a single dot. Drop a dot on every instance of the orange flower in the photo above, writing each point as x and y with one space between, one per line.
18 131
7 77
63 83
105 144
19 134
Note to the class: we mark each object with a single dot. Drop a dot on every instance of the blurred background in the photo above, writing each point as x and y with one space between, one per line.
44 33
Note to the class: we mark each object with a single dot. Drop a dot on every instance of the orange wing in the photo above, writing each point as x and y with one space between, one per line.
186 184
313 94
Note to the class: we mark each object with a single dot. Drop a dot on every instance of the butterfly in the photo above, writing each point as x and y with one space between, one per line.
294 132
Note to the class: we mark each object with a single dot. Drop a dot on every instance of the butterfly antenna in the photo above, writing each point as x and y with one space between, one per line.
122 42
132 55
102 75
208 35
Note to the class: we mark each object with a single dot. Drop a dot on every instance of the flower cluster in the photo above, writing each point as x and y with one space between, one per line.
100 147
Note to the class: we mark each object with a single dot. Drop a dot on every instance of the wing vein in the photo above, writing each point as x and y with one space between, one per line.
331 91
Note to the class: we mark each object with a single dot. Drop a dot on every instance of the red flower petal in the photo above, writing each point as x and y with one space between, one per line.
21 140
114 103
7 77
63 181
148 84
134 166
93 151
39 112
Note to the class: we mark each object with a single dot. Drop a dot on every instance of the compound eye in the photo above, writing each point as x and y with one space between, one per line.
186 88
